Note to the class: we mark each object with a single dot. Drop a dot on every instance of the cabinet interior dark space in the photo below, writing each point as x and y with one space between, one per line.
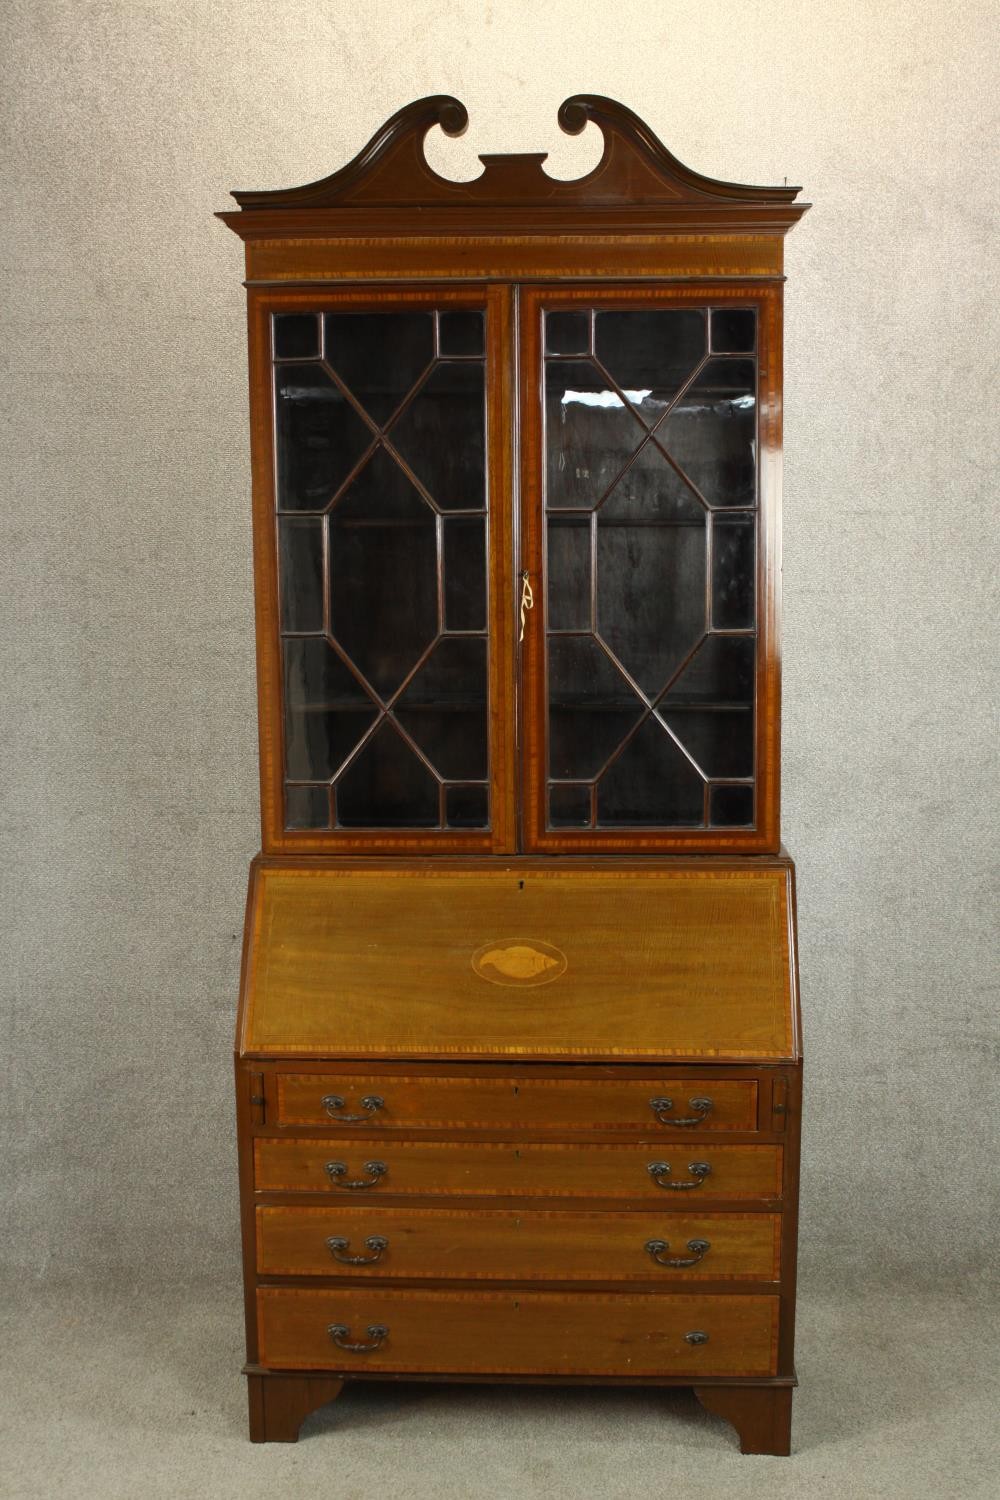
650 515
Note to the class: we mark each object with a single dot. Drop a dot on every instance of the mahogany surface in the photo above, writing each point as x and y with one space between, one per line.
515 1022
279 1407
674 960
762 1416
537 1333
498 1102
519 1244
492 1168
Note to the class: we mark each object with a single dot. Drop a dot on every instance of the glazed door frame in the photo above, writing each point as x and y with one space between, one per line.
517 683
763 836
497 302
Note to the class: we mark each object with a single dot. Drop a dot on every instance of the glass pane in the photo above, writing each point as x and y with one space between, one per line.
652 439
591 707
718 739
651 490
569 807
361 399
387 786
650 354
567 333
444 709
300 573
710 707
731 806
383 573
733 556
307 807
712 432
319 437
651 782
382 493
461 332
569 573
734 330
468 806
379 356
721 671
590 435
326 710
464 573
650 593
296 336
442 436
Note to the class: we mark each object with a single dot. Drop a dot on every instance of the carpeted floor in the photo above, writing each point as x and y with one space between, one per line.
136 1394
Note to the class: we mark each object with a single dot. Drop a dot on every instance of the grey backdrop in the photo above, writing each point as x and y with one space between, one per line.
128 754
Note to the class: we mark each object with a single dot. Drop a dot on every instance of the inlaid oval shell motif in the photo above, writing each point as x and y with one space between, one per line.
519 961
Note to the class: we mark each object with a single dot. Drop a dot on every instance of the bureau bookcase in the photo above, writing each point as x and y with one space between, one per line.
518 1062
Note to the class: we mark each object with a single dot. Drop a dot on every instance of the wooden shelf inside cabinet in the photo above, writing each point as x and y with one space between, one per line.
522 924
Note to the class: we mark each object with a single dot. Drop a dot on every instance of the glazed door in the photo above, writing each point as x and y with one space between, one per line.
649 680
381 445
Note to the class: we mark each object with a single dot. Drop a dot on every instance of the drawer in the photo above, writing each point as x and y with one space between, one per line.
379 1101
516 1245
527 1333
350 1166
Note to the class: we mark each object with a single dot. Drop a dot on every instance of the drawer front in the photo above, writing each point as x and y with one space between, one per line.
350 1166
377 1101
516 1245
537 1333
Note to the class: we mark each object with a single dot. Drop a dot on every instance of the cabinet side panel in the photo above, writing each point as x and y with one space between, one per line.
265 571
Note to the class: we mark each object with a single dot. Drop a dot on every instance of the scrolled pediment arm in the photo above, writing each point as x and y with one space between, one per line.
614 119
405 130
